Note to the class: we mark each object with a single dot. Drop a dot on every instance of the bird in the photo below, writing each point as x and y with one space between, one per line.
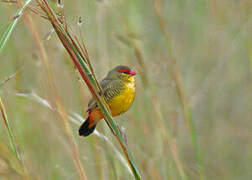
119 93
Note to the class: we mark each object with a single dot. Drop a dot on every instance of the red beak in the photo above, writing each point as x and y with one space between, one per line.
133 73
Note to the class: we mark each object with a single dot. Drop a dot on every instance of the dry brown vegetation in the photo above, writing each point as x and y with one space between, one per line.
192 114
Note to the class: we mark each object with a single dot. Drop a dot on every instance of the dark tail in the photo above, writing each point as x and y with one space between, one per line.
85 130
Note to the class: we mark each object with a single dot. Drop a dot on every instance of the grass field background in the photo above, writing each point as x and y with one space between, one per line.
192 115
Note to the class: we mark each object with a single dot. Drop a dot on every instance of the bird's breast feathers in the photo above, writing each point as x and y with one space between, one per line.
122 102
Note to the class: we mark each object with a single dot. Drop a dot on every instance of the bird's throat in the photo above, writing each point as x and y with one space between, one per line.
131 83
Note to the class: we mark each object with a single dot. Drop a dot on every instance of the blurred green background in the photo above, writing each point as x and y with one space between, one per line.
196 83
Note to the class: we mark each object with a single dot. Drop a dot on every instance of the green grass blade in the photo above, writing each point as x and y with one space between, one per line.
10 134
110 121
9 30
107 116
81 62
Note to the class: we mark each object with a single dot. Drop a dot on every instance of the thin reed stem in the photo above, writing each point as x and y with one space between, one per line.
175 71
9 131
58 103
83 65
166 133
10 28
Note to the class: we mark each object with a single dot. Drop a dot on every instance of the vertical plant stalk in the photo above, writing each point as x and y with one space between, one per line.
179 84
250 60
81 61
8 128
13 164
166 133
10 28
167 136
53 88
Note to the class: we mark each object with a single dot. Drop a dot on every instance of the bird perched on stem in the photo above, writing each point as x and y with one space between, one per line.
119 92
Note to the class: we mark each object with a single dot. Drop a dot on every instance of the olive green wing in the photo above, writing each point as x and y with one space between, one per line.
111 88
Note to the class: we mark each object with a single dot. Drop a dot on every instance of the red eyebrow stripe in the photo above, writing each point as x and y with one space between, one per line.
124 70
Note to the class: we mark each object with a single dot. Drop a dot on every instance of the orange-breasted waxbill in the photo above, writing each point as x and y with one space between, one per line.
119 92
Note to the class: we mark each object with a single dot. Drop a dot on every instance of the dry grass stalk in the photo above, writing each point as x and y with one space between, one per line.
166 134
175 71
81 61
9 130
58 104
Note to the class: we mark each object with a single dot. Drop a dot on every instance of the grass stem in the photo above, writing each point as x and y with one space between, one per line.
8 128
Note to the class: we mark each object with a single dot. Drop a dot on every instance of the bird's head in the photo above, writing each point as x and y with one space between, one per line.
122 73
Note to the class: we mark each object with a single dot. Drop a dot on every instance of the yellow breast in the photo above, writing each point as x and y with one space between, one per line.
121 103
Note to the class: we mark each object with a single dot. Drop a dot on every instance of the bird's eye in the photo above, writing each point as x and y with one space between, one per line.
125 72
